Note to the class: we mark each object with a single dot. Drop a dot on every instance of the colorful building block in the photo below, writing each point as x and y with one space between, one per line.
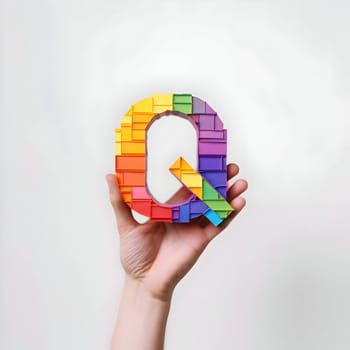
207 183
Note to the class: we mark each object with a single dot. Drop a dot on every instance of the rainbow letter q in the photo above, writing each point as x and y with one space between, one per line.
207 183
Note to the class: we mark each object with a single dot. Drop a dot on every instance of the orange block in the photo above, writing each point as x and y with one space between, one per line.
139 135
143 117
127 197
139 126
130 163
134 179
120 178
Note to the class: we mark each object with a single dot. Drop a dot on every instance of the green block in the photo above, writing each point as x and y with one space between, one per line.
223 214
218 205
183 108
209 192
182 98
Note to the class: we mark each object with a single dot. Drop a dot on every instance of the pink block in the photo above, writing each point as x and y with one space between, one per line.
140 193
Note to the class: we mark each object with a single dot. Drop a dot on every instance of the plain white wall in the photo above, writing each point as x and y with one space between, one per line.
277 71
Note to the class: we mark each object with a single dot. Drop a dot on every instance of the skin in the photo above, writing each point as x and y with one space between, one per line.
155 257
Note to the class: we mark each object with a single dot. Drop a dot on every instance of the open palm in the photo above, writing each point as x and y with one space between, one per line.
159 254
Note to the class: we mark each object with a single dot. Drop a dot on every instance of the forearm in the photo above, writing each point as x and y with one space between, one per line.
141 319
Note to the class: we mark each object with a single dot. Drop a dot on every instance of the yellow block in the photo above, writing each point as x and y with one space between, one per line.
161 109
176 172
118 135
126 133
191 180
186 168
198 191
163 99
138 135
176 165
143 106
129 112
118 149
126 120
134 148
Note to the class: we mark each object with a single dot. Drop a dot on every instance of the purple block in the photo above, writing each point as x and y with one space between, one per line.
198 207
216 179
206 148
224 163
208 109
175 213
206 134
198 106
222 190
211 163
218 124
195 215
206 122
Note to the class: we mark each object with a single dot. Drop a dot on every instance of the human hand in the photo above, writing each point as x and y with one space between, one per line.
157 254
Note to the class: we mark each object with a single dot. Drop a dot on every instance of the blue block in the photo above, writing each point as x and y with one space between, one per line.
213 217
184 213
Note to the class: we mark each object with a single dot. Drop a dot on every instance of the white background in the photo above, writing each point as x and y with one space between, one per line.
278 74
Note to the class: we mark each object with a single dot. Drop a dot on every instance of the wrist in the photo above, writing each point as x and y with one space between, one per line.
139 290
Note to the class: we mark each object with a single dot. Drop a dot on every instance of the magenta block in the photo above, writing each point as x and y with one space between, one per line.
212 140
198 106
218 124
208 109
206 134
207 148
206 122
210 163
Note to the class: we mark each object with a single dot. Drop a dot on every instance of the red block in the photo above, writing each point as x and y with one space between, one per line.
142 207
163 213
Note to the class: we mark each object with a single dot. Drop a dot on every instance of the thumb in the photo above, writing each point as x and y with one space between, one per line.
122 211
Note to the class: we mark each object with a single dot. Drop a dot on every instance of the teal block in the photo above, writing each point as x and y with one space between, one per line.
213 217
